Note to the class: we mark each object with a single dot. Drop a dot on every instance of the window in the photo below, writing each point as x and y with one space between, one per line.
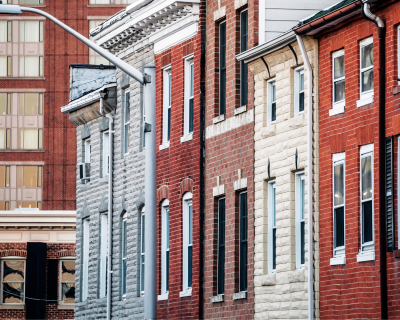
67 281
5 103
271 112
367 213
222 68
142 250
5 31
338 205
31 31
221 247
85 258
5 138
189 97
29 176
88 150
165 247
12 281
167 108
127 120
94 57
5 205
272 227
338 80
4 176
30 139
106 153
124 257
299 98
31 66
243 65
5 66
187 241
103 254
366 70
243 242
30 104
299 219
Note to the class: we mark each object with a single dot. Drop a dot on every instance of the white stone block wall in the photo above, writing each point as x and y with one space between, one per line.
283 295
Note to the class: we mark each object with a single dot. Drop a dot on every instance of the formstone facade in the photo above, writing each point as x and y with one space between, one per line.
281 159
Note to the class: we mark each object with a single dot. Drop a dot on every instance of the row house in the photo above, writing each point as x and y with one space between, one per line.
359 135
37 264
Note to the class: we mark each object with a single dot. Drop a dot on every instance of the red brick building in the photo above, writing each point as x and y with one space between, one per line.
229 188
35 56
180 136
350 237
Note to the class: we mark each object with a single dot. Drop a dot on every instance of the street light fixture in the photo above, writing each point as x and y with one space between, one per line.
148 80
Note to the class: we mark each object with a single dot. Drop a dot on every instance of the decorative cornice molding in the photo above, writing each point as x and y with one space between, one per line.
85 133
103 207
104 124
140 202
124 206
85 210
66 253
13 253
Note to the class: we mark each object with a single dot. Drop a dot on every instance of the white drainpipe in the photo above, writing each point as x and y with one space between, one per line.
309 178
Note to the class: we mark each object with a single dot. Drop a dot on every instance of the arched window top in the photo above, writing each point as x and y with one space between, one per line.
187 196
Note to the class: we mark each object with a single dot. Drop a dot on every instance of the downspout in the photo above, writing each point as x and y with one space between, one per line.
309 178
110 190
381 156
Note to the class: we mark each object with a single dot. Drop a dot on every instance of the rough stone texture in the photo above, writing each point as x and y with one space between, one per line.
283 294
128 182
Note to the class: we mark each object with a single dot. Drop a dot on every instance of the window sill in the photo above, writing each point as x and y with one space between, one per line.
23 78
188 137
12 307
218 298
164 146
336 110
66 307
240 110
336 261
365 100
240 295
163 297
218 119
366 256
186 293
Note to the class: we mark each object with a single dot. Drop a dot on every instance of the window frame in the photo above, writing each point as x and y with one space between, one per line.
2 260
126 121
164 247
88 147
222 70
369 93
60 282
244 34
300 191
189 110
85 258
221 272
297 75
103 255
124 256
8 30
187 242
22 65
338 159
270 85
271 226
167 110
243 237
367 151
339 104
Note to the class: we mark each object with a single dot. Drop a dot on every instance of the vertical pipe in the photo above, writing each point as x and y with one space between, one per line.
309 178
110 210
150 274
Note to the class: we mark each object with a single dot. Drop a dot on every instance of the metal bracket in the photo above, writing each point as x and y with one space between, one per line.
147 78
147 127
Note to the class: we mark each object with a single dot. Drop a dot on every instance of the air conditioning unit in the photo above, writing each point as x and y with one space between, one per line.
84 171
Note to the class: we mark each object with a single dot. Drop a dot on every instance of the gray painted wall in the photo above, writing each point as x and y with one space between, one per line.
128 182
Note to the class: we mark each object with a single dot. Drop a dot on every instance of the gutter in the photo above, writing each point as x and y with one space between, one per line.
309 178
381 156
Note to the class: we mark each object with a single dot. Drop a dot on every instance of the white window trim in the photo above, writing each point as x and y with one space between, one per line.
124 240
271 186
166 72
270 83
103 254
85 257
60 282
338 158
186 202
337 107
298 177
106 153
366 249
187 136
1 280
368 96
164 238
261 24
142 237
297 72
88 150
126 151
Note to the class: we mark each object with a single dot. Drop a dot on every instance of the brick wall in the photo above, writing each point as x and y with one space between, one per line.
356 283
229 148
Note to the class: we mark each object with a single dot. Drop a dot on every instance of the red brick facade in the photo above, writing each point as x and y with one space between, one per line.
54 251
59 135
179 172
352 290
226 153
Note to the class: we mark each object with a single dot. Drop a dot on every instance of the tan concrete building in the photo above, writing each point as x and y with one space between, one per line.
281 258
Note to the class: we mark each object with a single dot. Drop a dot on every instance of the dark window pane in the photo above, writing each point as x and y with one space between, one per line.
243 243
367 221
221 247
189 266
222 68
123 277
191 115
367 56
339 90
274 249
367 80
301 101
167 270
273 111
339 67
169 125
339 227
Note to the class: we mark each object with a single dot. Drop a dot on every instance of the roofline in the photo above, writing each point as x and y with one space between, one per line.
267 47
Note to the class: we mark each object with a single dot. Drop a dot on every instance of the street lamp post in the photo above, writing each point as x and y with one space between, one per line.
148 79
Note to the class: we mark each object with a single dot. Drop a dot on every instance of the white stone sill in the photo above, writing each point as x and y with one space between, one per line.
12 307
240 110
164 146
218 298
367 99
218 119
188 137
336 110
240 295
366 256
337 261
186 293
163 297
66 307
